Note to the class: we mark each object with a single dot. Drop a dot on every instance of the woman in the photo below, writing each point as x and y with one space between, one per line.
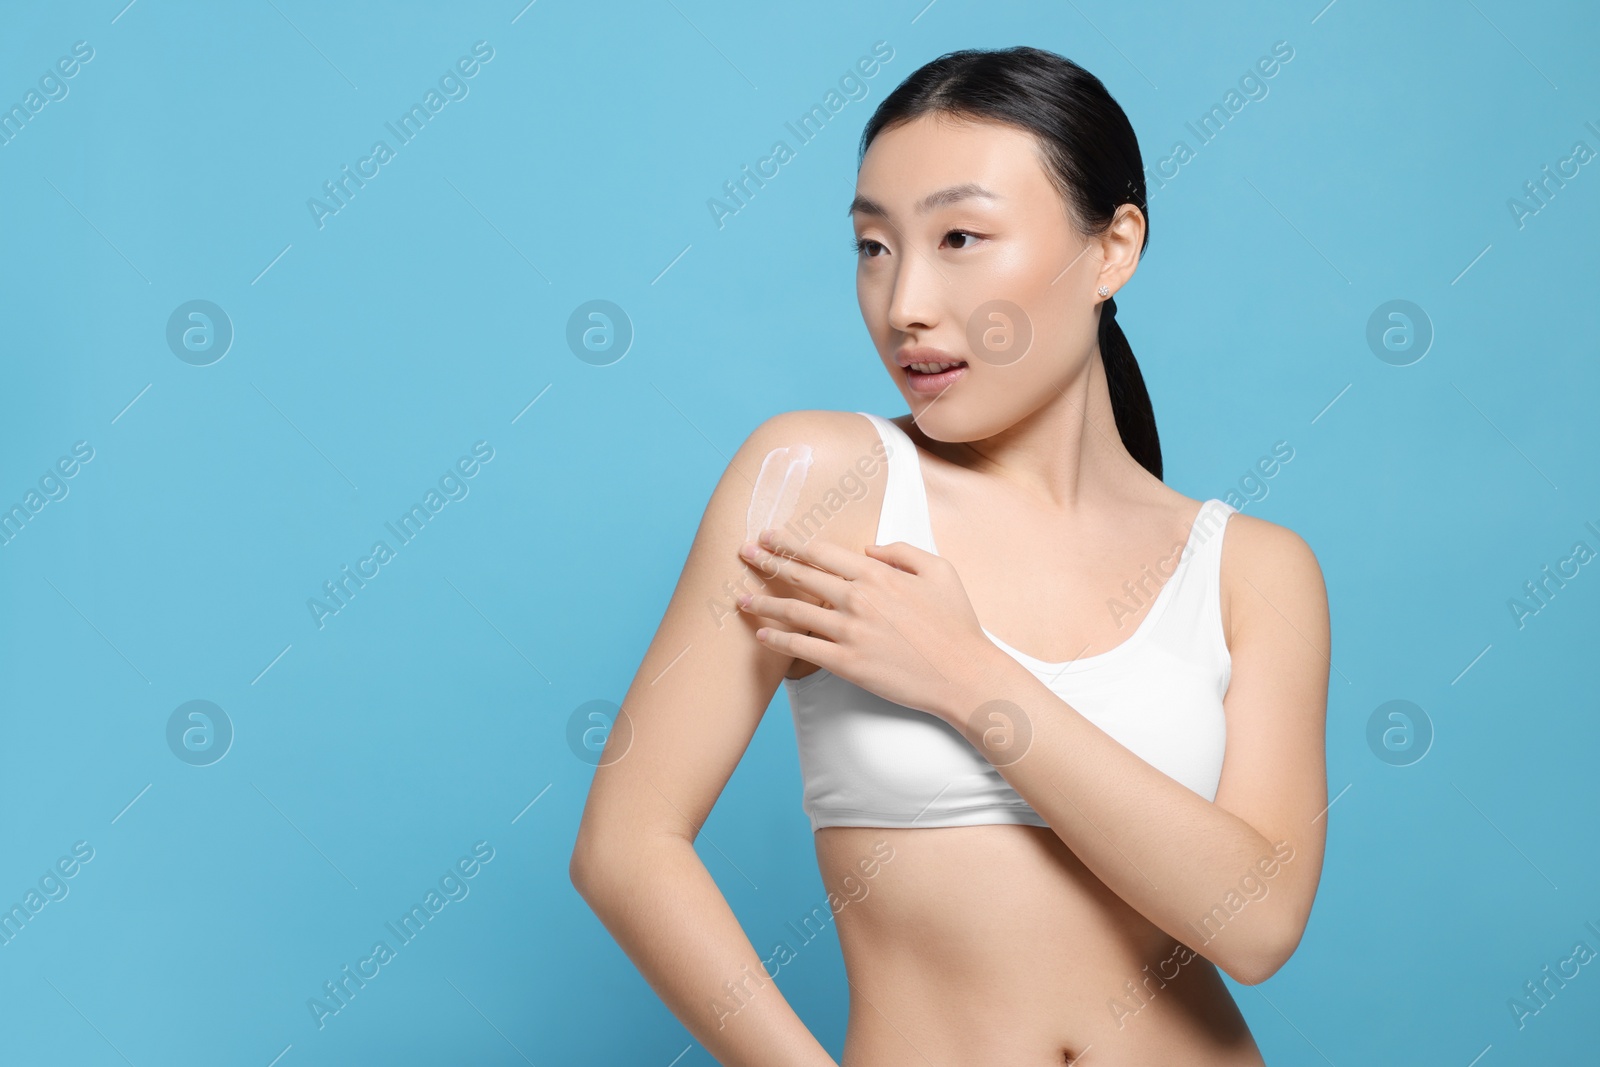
1063 851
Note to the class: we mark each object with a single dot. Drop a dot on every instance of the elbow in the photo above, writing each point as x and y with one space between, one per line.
586 869
599 862
577 870
1263 959
588 872
1253 971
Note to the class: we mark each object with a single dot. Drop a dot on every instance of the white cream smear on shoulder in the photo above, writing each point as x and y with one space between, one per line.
777 491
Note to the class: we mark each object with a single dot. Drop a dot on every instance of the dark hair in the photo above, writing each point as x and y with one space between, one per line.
1092 157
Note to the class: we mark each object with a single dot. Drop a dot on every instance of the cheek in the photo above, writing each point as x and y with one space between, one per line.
1033 275
1054 287
1006 304
1060 339
1024 276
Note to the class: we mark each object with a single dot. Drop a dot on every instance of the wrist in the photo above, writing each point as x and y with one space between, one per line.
987 675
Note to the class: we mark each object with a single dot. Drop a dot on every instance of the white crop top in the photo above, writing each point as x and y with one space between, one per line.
867 761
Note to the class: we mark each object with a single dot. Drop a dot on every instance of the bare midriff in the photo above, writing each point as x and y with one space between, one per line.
994 946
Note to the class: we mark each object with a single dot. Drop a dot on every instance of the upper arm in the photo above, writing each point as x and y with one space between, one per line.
1274 772
705 681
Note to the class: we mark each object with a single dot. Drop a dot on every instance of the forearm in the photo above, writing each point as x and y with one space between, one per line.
667 913
1166 850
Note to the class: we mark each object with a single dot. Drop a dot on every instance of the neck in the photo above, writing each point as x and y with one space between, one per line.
1063 451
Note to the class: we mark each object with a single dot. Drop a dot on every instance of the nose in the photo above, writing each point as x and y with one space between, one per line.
914 300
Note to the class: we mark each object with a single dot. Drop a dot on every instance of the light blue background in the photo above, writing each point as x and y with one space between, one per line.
432 310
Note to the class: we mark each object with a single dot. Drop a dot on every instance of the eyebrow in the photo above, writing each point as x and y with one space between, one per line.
863 205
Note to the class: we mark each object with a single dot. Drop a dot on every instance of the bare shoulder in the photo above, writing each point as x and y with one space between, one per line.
840 457
835 438
1270 575
1256 546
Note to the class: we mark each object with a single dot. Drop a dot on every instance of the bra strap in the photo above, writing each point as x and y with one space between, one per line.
905 499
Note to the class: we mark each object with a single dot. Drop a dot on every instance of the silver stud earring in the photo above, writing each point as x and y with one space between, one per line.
1103 291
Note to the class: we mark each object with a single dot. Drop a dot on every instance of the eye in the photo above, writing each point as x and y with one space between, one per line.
862 246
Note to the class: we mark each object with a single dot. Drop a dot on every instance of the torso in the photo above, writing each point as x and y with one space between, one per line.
993 944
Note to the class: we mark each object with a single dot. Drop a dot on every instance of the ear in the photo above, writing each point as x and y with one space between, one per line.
1119 248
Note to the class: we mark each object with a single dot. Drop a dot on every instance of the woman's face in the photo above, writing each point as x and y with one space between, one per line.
967 249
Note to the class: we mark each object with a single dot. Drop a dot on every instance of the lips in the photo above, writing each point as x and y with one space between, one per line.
935 383
930 371
927 356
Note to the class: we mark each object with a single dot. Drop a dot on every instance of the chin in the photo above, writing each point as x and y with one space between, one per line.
949 418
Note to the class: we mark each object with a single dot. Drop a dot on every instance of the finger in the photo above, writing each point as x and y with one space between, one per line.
775 568
825 555
906 557
766 563
824 654
799 573
797 613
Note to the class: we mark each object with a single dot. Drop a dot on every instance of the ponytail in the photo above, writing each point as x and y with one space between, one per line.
1130 401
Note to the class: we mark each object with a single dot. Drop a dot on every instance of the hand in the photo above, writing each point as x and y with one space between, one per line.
895 621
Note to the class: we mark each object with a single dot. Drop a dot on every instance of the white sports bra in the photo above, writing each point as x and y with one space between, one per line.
867 761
